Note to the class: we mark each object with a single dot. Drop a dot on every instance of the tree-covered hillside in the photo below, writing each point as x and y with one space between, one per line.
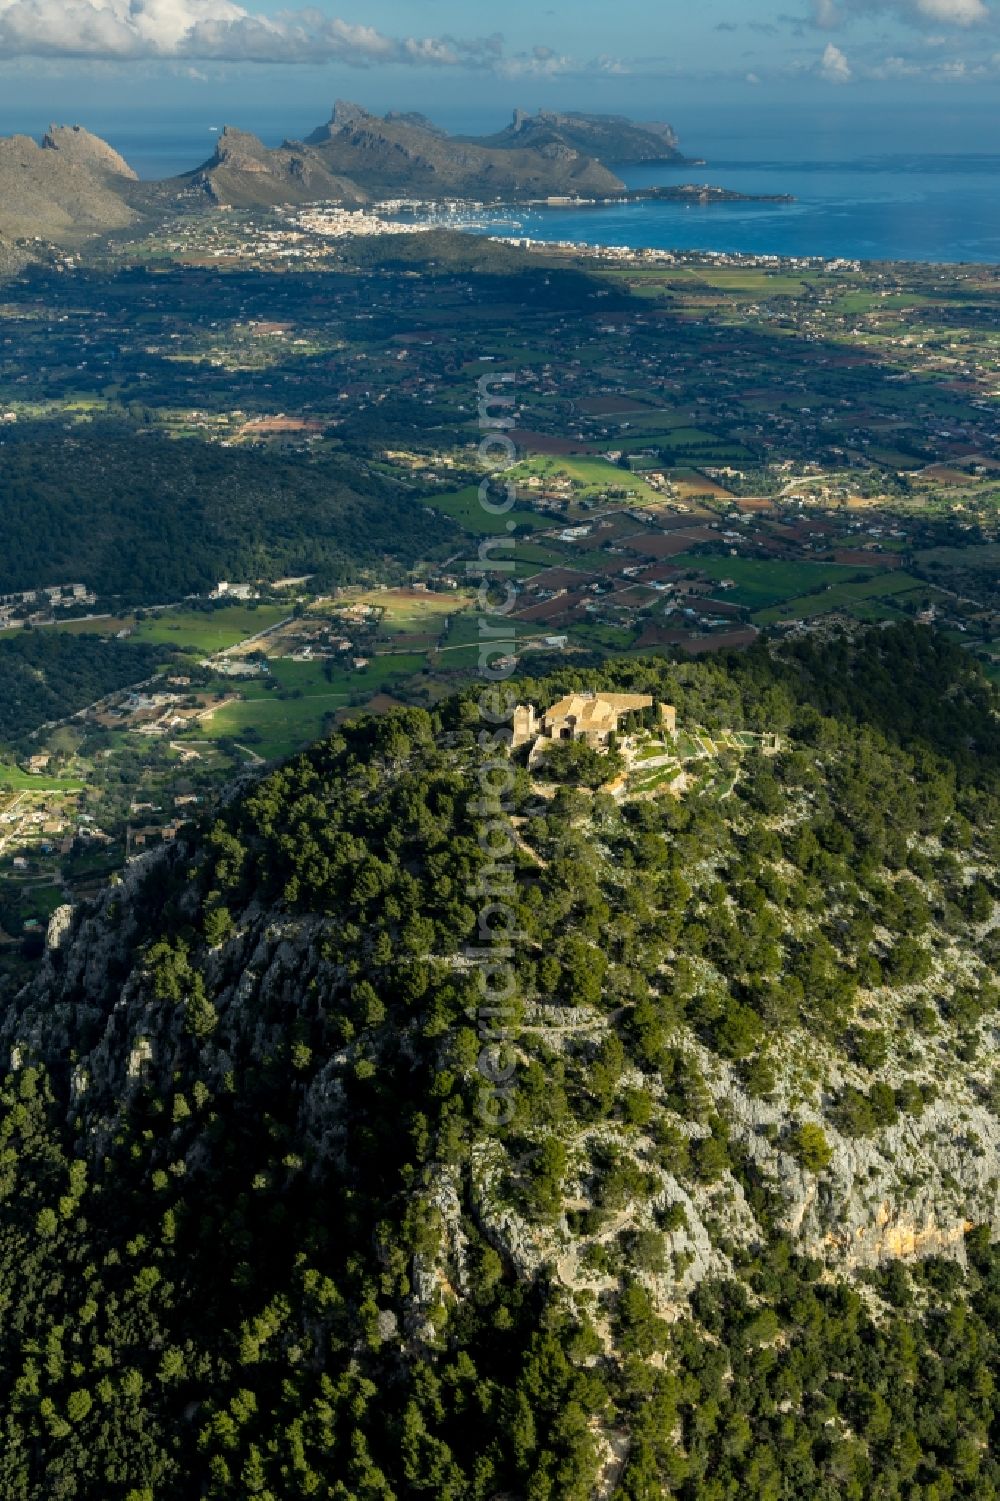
46 676
147 519
262 1233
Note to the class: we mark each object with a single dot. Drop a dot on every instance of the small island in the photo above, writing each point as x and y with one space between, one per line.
700 193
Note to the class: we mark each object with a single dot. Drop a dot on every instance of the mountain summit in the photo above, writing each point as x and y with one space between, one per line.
309 1191
246 173
80 146
610 138
72 184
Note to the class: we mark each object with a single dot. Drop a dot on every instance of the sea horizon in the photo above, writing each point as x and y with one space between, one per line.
915 204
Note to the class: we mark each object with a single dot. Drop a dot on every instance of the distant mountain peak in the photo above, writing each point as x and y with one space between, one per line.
85 149
72 183
407 153
609 138
346 113
416 119
233 142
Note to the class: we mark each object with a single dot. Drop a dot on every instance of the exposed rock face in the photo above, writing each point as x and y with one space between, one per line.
60 924
413 117
71 186
346 115
246 173
610 138
406 154
911 1191
79 146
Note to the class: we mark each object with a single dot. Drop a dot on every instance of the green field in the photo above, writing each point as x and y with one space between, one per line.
591 476
607 637
735 280
840 597
13 779
762 583
457 659
281 726
406 612
463 630
538 555
465 507
207 631
287 721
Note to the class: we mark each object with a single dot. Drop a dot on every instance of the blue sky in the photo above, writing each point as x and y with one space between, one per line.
654 58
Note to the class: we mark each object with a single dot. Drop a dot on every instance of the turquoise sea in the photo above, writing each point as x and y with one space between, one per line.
921 208
941 204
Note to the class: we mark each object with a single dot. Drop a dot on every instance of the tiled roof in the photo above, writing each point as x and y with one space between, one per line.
597 710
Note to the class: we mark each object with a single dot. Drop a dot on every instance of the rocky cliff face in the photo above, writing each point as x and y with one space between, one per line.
245 173
611 138
403 154
912 1192
69 187
77 145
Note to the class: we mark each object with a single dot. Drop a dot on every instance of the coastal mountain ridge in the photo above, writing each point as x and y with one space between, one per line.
407 155
244 172
75 144
73 184
610 138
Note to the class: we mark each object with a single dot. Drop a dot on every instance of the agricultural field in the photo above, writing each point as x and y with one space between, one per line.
845 596
415 612
760 584
207 632
787 413
465 507
589 479
14 778
279 715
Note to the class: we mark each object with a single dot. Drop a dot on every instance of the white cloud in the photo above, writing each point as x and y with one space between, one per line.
215 30
928 69
834 66
955 12
830 13
540 62
896 67
544 62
